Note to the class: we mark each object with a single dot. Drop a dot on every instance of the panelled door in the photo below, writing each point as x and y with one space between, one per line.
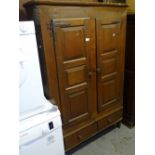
108 63
73 42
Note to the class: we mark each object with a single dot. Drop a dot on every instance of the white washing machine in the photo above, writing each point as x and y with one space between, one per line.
31 96
42 134
40 121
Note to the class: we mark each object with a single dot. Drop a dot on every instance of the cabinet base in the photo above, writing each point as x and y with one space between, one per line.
95 137
118 125
74 138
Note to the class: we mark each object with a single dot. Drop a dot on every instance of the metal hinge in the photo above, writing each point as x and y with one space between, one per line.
49 26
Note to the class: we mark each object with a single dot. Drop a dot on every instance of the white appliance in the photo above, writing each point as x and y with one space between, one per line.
42 134
31 94
40 121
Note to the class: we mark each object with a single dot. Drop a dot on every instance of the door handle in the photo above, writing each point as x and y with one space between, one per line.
90 74
98 70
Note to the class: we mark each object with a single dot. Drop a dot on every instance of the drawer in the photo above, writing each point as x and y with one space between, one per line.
80 136
87 132
70 141
109 120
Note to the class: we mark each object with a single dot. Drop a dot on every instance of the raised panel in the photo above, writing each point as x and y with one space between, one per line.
109 91
109 62
75 62
78 102
73 42
75 75
109 33
107 94
109 65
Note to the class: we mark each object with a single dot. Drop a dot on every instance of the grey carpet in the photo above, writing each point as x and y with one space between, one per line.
116 142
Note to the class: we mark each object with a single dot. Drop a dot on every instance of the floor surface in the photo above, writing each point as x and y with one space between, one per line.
119 141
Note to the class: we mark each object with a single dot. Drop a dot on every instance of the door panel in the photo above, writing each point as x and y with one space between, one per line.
110 34
109 91
109 61
108 64
73 38
78 102
72 48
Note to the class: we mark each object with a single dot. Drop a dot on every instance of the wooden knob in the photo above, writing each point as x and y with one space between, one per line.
90 73
80 137
114 34
98 70
109 120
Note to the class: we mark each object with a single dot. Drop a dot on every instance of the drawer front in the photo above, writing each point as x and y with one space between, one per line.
80 136
87 132
109 120
70 141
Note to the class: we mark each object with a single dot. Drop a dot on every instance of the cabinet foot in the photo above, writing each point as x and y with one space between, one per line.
118 125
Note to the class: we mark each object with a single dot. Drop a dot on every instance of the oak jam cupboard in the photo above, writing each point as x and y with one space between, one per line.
81 47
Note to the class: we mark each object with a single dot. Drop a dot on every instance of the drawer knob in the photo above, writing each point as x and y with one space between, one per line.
79 137
90 74
109 120
114 34
98 70
87 39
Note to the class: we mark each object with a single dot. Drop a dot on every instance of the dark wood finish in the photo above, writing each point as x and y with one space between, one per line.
83 45
87 132
23 15
129 82
71 141
91 129
109 120
80 136
74 70
22 11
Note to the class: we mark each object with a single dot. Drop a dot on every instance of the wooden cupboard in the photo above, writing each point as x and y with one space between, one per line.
81 47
